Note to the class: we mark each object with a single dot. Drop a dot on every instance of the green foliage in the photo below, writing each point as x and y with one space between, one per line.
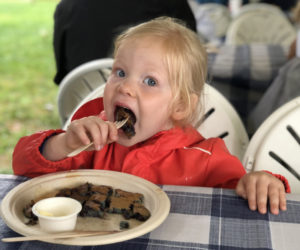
27 67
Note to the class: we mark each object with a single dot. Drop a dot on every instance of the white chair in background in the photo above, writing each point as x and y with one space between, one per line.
79 83
260 7
260 23
220 120
276 144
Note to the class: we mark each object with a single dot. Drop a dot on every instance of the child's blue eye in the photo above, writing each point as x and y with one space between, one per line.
120 73
150 81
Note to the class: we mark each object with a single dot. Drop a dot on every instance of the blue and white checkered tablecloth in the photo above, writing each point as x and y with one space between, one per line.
200 218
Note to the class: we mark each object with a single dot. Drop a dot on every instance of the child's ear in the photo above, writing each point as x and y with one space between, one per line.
179 111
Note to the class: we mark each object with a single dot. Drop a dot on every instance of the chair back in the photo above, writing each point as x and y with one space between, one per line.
275 146
260 6
260 23
79 83
220 119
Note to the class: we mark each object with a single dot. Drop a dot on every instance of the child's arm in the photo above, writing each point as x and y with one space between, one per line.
258 188
80 132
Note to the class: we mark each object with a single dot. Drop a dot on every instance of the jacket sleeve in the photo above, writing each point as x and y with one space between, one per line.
27 157
28 160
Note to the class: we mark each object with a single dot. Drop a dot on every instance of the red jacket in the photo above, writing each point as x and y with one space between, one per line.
176 157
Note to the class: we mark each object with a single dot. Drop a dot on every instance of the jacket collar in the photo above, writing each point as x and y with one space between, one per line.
171 139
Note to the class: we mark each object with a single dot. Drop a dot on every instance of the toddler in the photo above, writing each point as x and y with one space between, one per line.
158 74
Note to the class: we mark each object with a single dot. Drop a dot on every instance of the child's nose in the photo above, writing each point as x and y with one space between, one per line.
127 88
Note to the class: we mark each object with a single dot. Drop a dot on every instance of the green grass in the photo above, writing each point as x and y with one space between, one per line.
27 67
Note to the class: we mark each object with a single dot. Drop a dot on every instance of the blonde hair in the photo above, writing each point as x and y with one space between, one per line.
185 59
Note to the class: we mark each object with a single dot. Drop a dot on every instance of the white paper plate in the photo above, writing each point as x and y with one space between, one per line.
156 201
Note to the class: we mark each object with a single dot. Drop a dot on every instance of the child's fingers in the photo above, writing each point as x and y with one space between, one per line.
98 132
102 132
277 197
282 199
90 129
260 187
77 129
251 193
113 132
240 189
262 195
103 116
274 199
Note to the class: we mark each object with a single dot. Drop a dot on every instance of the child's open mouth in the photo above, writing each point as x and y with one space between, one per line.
122 113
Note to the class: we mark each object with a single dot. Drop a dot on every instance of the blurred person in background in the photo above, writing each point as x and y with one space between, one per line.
224 2
84 29
285 86
285 5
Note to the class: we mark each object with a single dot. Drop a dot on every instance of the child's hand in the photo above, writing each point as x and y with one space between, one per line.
258 187
90 129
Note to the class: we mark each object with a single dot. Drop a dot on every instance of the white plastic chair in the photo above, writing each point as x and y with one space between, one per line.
79 83
276 144
260 23
260 6
221 120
